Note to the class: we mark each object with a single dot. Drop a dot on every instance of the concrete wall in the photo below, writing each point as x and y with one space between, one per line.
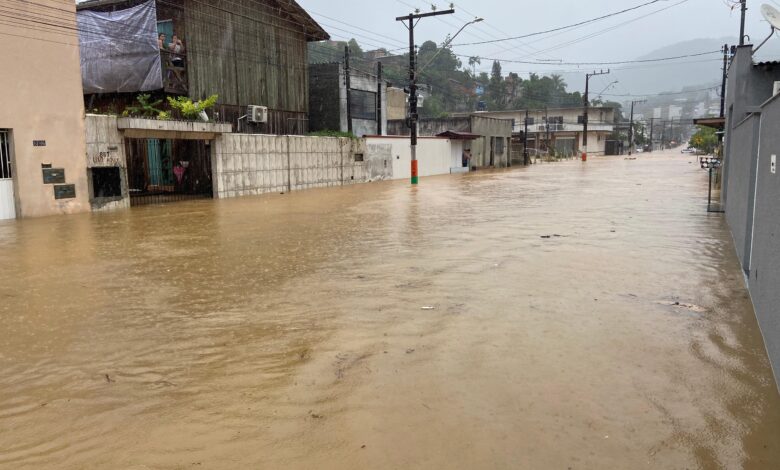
493 129
251 164
764 273
489 127
433 155
741 185
105 148
396 104
43 101
751 192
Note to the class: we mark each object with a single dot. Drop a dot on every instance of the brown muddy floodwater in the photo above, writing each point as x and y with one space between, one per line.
290 331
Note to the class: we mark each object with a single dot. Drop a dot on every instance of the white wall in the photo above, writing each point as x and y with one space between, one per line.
252 164
434 155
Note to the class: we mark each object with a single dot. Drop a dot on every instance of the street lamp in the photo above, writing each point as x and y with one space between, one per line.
449 41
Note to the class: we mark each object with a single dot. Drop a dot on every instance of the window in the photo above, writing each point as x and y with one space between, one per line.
530 121
106 182
362 104
580 119
5 156
358 157
499 145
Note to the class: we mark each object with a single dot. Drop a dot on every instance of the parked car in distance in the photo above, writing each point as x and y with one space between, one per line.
688 150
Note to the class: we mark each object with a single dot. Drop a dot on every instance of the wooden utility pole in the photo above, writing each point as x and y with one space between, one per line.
412 119
585 113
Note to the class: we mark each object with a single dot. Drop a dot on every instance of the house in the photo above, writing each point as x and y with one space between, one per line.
751 185
247 52
42 168
489 148
561 128
347 99
252 55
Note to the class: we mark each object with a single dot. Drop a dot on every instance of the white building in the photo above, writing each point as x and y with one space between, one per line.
561 128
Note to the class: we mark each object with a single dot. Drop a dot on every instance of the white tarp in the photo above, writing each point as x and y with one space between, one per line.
119 51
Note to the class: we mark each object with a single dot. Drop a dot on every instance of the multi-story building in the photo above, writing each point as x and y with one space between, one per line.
562 128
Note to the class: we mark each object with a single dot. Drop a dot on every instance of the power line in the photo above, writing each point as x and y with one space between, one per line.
538 33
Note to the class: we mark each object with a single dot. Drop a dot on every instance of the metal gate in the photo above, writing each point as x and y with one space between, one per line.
7 207
166 170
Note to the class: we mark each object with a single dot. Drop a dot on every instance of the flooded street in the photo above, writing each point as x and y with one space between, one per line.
562 316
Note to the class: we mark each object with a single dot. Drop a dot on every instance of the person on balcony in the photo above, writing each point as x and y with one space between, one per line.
176 47
161 41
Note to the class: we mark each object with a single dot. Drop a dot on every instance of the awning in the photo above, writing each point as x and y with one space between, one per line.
454 135
714 122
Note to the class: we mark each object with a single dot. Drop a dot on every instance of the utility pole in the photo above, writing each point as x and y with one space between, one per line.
723 94
671 131
631 127
585 113
526 160
547 129
742 23
348 85
651 134
411 17
379 98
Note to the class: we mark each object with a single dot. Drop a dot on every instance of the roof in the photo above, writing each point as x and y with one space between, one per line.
455 135
714 122
312 29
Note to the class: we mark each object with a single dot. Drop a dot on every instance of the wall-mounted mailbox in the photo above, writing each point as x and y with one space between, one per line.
64 191
53 175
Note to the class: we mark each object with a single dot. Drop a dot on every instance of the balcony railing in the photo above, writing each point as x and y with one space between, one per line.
174 72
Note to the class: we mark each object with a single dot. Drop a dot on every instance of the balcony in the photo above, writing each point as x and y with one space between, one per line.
174 72
593 126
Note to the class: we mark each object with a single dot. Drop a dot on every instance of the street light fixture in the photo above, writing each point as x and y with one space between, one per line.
449 41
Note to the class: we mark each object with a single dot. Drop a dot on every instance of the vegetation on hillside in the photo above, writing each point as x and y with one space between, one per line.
447 84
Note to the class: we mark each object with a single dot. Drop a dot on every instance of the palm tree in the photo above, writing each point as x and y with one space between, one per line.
559 84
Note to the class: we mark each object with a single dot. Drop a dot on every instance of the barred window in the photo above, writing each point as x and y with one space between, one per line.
362 104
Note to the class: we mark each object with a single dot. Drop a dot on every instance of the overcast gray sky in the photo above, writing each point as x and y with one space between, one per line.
628 35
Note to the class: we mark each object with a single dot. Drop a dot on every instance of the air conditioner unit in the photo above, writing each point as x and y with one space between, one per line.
258 114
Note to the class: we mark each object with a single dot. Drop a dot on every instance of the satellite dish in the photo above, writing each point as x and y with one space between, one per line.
770 14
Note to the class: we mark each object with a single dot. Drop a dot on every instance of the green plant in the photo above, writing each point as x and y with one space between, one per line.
190 109
328 133
705 139
145 107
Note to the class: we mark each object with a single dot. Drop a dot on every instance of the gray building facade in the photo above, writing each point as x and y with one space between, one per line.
332 106
751 186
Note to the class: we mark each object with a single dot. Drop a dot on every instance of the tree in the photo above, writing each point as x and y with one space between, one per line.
354 49
704 139
495 88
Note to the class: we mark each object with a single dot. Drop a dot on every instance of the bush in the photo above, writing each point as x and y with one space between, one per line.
145 107
189 109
